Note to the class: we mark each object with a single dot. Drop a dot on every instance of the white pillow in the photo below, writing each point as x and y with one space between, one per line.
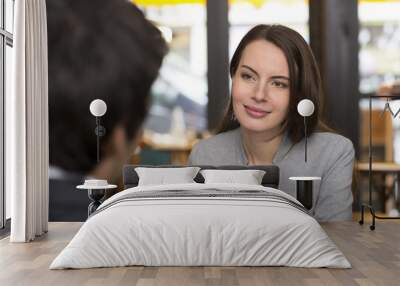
248 177
162 176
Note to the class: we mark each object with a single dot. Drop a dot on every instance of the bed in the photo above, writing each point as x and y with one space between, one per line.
201 224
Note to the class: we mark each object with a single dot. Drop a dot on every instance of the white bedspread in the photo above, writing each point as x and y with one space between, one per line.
183 231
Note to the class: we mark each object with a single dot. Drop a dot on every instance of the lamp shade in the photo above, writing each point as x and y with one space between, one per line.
305 107
98 107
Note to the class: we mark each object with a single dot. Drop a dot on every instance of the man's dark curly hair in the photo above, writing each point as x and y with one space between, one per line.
102 49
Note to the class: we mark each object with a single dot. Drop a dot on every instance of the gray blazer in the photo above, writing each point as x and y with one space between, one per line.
330 156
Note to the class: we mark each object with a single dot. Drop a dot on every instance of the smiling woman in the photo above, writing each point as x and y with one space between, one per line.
272 70
253 82
281 57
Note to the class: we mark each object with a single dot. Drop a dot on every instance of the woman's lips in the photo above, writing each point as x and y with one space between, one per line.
255 112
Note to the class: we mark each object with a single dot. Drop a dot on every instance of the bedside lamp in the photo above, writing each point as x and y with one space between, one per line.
304 185
98 108
305 108
96 188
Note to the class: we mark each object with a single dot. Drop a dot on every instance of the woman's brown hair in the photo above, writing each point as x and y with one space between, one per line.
305 80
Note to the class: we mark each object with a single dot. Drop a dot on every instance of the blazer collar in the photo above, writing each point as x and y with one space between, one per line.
283 149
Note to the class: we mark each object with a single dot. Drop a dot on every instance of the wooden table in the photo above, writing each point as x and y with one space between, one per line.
179 151
379 167
374 255
179 154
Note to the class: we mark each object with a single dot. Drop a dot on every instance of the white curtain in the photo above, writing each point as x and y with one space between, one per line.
27 124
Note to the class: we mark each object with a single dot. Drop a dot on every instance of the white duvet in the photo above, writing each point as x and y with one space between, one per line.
185 231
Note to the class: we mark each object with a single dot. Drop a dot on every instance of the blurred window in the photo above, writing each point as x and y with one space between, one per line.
244 14
379 40
7 62
180 92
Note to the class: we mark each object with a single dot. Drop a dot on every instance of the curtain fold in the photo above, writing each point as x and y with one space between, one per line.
27 124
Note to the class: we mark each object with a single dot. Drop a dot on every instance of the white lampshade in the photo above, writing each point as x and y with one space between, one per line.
305 107
98 107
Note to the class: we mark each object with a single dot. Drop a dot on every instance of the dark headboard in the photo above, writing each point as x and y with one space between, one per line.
270 179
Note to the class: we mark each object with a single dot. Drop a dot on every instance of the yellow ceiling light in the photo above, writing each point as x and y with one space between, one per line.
257 3
166 2
380 1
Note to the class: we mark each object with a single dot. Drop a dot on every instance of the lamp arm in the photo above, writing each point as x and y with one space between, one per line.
305 134
98 138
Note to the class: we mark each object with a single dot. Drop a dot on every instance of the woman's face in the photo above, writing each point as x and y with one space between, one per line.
260 88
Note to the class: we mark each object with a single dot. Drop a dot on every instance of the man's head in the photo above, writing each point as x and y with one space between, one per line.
102 49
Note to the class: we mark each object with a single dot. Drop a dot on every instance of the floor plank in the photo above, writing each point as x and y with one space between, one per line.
374 255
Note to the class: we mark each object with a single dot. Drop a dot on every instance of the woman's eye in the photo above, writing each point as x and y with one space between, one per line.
246 76
280 84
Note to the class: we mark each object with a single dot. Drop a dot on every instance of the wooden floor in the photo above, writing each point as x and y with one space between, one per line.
374 255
